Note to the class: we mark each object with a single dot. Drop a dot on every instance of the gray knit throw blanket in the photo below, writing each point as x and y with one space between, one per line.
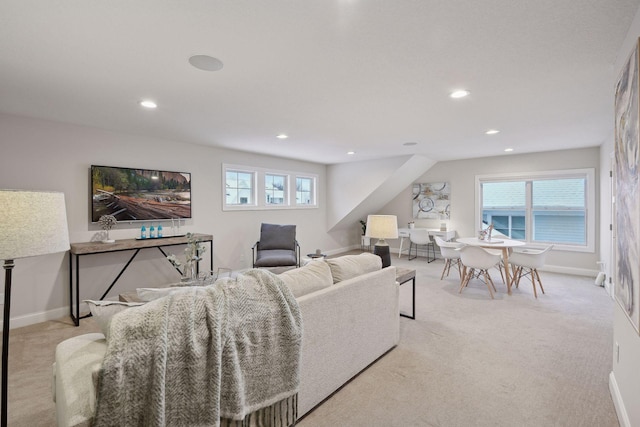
226 354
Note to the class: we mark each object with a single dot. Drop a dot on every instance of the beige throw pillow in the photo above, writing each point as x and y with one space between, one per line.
103 311
314 276
150 294
350 266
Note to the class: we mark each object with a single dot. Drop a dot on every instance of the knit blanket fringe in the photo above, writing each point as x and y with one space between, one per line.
283 413
226 354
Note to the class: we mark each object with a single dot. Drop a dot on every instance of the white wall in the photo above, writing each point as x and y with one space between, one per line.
625 378
461 175
42 155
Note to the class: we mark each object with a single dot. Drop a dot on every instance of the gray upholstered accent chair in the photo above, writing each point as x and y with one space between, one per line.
277 247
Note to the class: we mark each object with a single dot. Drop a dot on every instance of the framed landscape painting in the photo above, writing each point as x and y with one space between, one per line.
627 188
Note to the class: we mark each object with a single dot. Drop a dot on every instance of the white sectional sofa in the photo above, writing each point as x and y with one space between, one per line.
350 316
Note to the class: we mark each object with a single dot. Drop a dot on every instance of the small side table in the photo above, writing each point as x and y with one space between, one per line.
315 255
403 275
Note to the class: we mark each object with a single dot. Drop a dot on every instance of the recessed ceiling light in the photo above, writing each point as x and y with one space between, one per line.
206 63
508 150
409 144
148 104
351 153
282 136
459 93
492 131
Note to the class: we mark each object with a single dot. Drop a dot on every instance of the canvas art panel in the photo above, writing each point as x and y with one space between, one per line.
627 203
431 200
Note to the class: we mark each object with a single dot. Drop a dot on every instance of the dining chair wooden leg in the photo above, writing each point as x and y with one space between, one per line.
489 282
447 265
533 281
465 280
519 276
539 281
515 274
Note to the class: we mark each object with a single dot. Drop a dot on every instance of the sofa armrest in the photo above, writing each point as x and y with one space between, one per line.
77 360
347 326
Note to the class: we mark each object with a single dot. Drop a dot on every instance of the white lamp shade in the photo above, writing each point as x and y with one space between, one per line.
382 226
32 223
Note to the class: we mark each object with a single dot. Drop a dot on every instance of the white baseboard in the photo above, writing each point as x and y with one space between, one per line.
618 403
571 270
33 318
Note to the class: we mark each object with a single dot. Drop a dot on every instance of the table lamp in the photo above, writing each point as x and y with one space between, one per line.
31 223
382 227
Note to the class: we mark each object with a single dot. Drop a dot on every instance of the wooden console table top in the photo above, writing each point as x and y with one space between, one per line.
125 244
403 275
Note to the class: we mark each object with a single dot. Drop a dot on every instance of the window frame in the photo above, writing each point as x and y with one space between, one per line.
259 193
588 174
313 192
285 190
239 206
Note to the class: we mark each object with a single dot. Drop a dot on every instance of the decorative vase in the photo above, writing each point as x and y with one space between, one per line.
107 239
189 273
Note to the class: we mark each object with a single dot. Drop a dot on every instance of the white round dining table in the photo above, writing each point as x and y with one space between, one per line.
496 243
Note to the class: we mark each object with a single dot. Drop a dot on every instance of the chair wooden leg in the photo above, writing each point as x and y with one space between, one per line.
447 263
519 276
539 281
489 282
515 275
486 272
501 273
465 280
533 282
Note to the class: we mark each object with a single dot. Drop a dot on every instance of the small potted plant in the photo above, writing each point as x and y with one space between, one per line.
107 222
364 239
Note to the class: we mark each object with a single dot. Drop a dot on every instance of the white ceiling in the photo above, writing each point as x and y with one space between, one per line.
335 75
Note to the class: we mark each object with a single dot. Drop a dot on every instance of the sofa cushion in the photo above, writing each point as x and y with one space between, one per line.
275 236
314 276
350 266
103 311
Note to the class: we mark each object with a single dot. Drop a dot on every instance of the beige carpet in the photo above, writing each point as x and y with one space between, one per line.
466 360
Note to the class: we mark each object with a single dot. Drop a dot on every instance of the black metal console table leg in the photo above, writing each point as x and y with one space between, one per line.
413 301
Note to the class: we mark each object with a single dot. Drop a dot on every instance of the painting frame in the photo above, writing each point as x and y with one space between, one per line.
431 200
627 186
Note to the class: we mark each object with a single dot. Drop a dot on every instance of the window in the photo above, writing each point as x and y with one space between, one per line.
247 187
541 208
275 189
304 191
239 187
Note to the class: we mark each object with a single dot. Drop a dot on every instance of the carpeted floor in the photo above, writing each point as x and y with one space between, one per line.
466 360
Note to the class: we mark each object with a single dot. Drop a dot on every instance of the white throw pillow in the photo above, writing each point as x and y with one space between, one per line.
350 266
314 276
150 294
103 311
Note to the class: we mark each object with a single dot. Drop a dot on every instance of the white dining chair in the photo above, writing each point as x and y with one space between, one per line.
476 263
450 254
419 238
526 263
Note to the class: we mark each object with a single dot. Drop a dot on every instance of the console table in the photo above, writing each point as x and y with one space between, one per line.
403 275
93 248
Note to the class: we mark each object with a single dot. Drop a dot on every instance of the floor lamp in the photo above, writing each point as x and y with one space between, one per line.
31 223
382 227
